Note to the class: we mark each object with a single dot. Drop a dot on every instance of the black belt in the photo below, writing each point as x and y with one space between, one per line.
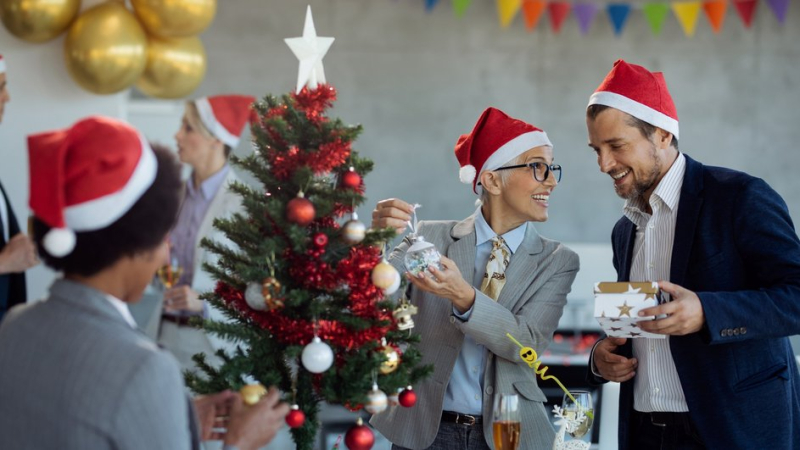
181 321
461 419
666 419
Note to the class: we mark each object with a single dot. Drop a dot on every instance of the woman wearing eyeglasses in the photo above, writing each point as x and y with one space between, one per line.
498 276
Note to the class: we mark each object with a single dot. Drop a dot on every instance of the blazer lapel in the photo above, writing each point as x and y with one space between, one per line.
626 237
690 204
206 226
462 250
521 267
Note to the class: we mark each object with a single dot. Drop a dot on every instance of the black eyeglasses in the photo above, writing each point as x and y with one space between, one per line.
540 170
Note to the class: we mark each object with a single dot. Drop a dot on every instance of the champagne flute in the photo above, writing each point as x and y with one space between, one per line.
169 274
582 402
506 422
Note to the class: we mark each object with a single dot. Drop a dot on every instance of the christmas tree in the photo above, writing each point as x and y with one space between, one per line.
305 289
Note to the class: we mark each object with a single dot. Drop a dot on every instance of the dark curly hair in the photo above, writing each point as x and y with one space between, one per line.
142 228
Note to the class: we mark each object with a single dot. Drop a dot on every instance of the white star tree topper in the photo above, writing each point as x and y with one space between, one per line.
310 50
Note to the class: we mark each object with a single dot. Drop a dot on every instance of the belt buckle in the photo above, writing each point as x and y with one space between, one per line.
471 419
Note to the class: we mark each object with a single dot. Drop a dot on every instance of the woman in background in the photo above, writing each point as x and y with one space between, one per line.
210 130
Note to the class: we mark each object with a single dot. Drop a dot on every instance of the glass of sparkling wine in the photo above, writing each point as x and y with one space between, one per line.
583 402
169 274
506 422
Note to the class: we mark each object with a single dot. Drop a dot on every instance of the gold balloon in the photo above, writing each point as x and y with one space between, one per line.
175 67
38 20
175 18
106 49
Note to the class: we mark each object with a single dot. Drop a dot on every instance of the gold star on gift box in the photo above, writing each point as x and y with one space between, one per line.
625 310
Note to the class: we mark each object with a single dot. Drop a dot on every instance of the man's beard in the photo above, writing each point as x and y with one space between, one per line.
645 184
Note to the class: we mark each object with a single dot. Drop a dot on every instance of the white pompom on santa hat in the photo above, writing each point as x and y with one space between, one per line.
225 116
495 141
84 178
636 91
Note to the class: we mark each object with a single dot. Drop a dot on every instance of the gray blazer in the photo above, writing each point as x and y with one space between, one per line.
539 277
75 375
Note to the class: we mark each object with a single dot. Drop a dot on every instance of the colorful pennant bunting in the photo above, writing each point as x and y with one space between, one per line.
533 10
618 13
558 12
655 13
687 13
507 10
460 7
715 12
746 8
779 7
585 13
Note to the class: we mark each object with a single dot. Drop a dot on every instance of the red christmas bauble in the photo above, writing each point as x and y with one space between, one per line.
360 437
300 211
320 239
295 418
408 397
351 179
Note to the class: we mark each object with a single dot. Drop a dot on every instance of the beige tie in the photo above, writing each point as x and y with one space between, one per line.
495 277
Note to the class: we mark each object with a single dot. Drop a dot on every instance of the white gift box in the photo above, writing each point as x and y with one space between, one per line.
617 306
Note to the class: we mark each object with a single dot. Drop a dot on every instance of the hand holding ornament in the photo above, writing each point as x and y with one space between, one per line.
392 213
447 283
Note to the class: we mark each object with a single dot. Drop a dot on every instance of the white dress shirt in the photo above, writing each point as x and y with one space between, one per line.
656 386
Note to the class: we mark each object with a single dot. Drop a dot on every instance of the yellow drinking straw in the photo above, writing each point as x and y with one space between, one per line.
529 355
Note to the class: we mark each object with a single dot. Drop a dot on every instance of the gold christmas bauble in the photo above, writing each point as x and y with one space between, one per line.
175 67
270 289
392 360
384 275
252 393
38 20
105 49
175 18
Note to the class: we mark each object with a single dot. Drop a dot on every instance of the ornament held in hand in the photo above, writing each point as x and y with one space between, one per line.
317 356
252 393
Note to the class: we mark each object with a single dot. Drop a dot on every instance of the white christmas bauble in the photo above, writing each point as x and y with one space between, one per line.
384 275
395 285
354 231
254 296
317 356
376 401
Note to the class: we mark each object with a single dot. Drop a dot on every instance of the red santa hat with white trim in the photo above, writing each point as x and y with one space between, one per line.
636 91
2 64
495 141
86 177
225 116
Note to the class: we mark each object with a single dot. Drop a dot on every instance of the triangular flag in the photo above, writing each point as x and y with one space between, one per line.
506 10
779 7
585 13
533 10
715 12
687 13
430 4
558 12
460 7
655 13
618 13
745 8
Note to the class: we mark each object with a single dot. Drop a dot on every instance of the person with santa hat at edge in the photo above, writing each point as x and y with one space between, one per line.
722 245
17 252
514 281
210 130
77 374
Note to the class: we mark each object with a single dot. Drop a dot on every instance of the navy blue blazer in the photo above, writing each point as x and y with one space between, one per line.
12 285
736 247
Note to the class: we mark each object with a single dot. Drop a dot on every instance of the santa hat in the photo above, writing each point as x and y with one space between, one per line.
643 94
2 64
495 140
225 116
86 177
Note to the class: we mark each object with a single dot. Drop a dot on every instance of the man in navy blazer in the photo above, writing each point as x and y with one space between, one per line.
725 376
17 252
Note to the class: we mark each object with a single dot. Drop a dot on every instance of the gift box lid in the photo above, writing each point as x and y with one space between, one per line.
638 287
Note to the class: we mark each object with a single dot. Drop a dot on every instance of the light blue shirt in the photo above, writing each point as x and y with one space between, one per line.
465 389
